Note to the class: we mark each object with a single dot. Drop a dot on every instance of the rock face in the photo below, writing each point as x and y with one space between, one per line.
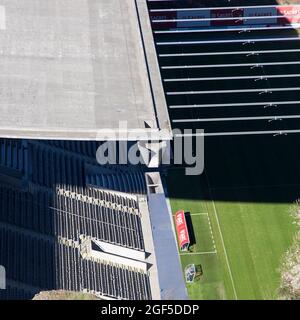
64 295
290 276
290 269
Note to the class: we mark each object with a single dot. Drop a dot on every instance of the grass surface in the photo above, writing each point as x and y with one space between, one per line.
246 191
249 183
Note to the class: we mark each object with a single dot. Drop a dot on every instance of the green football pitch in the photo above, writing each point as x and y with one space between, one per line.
239 211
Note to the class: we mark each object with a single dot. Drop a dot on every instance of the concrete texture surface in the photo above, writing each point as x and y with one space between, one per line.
70 68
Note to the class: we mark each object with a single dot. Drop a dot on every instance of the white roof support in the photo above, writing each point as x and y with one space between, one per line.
244 41
252 52
240 104
216 8
270 118
239 133
252 65
260 91
255 78
237 19
291 27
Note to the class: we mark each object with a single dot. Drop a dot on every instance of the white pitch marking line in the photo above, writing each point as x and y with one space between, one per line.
196 214
212 235
199 214
222 239
197 253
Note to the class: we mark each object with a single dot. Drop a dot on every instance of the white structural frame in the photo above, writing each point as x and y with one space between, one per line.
255 78
252 65
249 52
270 118
236 19
239 104
248 40
238 133
253 40
260 90
234 8
244 29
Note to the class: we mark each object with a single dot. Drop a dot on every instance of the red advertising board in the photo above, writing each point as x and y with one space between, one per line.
182 230
269 15
290 14
227 14
163 15
198 18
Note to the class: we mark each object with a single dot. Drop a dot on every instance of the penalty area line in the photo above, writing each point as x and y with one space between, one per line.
196 214
197 253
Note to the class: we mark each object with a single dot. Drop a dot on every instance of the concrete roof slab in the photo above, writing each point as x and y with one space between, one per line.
70 68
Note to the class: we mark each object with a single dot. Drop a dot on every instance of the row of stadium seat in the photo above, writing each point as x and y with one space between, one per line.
79 148
27 259
53 203
13 154
97 194
115 282
14 293
52 266
131 181
49 167
27 210
104 223
68 269
63 216
86 150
